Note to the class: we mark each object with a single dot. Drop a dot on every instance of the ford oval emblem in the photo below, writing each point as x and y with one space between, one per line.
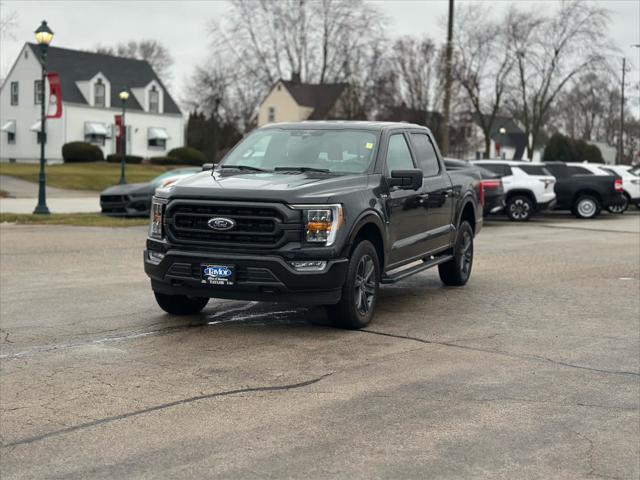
221 223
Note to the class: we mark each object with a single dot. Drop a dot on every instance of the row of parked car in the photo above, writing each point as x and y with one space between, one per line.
517 189
522 189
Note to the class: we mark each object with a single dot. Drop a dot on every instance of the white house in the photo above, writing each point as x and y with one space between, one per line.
90 84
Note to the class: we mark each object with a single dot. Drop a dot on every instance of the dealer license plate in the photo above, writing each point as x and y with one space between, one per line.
218 274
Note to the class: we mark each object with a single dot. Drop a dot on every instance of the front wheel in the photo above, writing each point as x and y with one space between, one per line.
180 304
519 208
360 291
456 272
586 206
621 207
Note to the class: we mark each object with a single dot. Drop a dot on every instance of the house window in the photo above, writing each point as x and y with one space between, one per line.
154 100
39 137
38 94
271 114
160 143
95 139
11 137
99 94
14 93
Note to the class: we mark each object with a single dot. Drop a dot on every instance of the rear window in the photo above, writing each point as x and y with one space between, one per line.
534 170
635 171
499 168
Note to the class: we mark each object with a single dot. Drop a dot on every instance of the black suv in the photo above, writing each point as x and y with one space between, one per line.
315 213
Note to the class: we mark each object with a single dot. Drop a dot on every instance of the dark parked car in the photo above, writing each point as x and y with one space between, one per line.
134 199
313 213
582 192
492 190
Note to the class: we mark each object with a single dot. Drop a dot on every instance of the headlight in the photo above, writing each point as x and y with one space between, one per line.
156 218
322 222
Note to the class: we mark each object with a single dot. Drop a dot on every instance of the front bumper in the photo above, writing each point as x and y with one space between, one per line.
546 206
493 204
125 205
258 277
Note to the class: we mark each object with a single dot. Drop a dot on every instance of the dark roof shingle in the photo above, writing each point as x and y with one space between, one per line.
122 73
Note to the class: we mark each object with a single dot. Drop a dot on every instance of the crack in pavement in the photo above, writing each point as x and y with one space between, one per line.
587 229
184 401
500 352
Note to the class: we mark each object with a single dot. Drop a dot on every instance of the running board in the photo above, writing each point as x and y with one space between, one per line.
406 272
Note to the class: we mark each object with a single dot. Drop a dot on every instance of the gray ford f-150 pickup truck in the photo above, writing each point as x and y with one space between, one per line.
316 213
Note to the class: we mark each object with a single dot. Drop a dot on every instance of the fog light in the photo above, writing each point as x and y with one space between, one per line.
155 257
309 265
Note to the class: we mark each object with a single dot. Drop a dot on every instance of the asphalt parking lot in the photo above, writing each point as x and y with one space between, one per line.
530 371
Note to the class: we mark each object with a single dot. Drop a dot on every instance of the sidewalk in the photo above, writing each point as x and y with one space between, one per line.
23 198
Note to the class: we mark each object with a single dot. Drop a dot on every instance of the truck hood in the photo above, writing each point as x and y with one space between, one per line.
284 187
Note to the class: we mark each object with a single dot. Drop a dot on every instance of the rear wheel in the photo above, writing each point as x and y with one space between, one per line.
180 304
586 206
360 290
456 272
519 208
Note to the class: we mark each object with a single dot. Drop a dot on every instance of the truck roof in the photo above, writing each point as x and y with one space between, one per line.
343 125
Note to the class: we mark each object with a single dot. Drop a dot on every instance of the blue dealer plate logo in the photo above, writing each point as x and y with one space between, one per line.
218 272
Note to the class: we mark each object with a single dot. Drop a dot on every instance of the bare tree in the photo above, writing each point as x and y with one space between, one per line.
483 63
152 51
8 22
550 52
414 61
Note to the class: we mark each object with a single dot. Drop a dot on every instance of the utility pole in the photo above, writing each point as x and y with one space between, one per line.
447 86
621 136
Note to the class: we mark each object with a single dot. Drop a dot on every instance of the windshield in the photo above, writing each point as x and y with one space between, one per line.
336 151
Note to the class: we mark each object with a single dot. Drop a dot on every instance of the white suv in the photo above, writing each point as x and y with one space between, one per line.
528 187
630 184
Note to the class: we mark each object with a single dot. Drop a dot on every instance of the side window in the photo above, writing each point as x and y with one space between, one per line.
427 158
534 170
398 154
578 171
498 168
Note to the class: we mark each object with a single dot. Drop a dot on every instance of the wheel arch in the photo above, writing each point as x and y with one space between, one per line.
521 191
586 191
369 226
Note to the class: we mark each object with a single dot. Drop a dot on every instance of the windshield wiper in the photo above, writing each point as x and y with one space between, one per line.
302 169
244 167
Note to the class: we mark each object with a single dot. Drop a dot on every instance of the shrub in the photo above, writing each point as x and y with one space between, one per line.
558 148
188 156
81 152
566 149
165 161
128 159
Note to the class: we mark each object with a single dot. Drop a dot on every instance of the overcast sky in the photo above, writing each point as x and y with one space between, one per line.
182 26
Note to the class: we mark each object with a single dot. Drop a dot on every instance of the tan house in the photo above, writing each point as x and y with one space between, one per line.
291 101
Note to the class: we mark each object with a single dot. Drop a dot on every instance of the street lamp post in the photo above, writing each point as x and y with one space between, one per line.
502 132
44 35
124 95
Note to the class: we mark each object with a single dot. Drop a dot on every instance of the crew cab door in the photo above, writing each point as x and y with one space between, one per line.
437 191
406 216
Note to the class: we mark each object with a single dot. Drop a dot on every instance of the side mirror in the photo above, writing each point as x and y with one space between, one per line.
406 179
207 166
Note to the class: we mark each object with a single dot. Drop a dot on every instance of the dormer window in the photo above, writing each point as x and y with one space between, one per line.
154 100
99 94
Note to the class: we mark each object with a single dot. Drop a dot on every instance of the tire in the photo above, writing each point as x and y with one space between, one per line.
519 208
456 272
180 304
586 206
621 208
360 291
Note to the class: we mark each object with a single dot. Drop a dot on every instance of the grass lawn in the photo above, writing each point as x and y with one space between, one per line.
83 176
77 219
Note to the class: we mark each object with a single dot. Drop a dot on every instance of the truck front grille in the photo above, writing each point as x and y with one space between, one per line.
256 225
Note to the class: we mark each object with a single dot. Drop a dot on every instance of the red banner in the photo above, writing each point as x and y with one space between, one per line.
55 95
